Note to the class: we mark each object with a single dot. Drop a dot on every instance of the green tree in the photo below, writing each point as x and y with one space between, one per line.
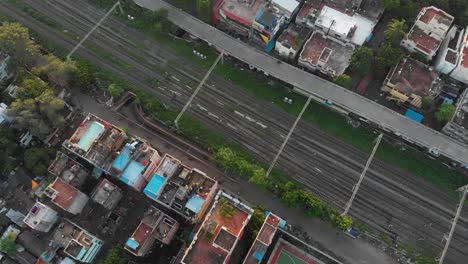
387 57
8 246
39 115
227 210
361 60
32 88
153 21
445 113
7 147
37 160
258 177
115 90
83 75
426 103
15 41
391 5
56 71
343 222
344 81
115 256
396 31
255 223
204 10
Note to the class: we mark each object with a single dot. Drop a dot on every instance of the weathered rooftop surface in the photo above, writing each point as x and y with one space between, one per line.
155 225
326 54
294 36
242 12
263 240
77 242
309 84
184 190
130 159
413 77
66 196
309 12
219 233
107 194
69 170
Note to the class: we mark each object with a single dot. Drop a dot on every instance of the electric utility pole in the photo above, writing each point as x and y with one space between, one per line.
95 27
272 165
200 85
361 178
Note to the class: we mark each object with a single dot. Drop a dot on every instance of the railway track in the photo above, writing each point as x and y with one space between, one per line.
325 166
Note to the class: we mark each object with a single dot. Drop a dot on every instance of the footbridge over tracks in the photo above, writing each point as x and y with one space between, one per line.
310 84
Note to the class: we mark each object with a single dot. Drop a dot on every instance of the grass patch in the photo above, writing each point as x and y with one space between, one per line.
34 14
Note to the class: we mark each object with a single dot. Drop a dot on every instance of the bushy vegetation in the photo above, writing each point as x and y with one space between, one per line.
445 113
8 246
115 256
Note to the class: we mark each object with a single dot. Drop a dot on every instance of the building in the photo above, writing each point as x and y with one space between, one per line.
5 120
235 16
154 226
325 54
41 217
78 243
460 73
345 26
111 151
309 12
219 233
410 81
427 33
66 196
264 239
69 170
291 40
270 19
107 194
449 52
184 190
457 128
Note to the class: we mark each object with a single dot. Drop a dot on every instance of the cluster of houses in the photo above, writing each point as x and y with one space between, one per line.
321 35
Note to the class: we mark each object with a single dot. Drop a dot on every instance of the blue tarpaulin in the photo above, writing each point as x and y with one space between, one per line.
132 244
154 186
414 115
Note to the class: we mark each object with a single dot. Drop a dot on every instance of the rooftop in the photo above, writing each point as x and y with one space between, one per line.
185 190
346 4
285 252
461 115
107 147
240 11
107 194
69 170
264 239
294 36
332 55
424 41
309 12
78 243
155 225
433 15
41 217
219 232
66 196
464 53
353 27
413 77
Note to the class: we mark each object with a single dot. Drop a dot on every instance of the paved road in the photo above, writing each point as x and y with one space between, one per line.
324 165
311 84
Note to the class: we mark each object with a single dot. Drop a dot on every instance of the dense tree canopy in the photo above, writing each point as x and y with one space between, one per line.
56 71
37 160
396 31
344 81
445 113
39 115
361 60
15 41
32 88
387 57
115 256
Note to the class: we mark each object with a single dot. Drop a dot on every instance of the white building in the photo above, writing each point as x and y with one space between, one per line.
449 53
346 27
460 72
41 217
427 33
